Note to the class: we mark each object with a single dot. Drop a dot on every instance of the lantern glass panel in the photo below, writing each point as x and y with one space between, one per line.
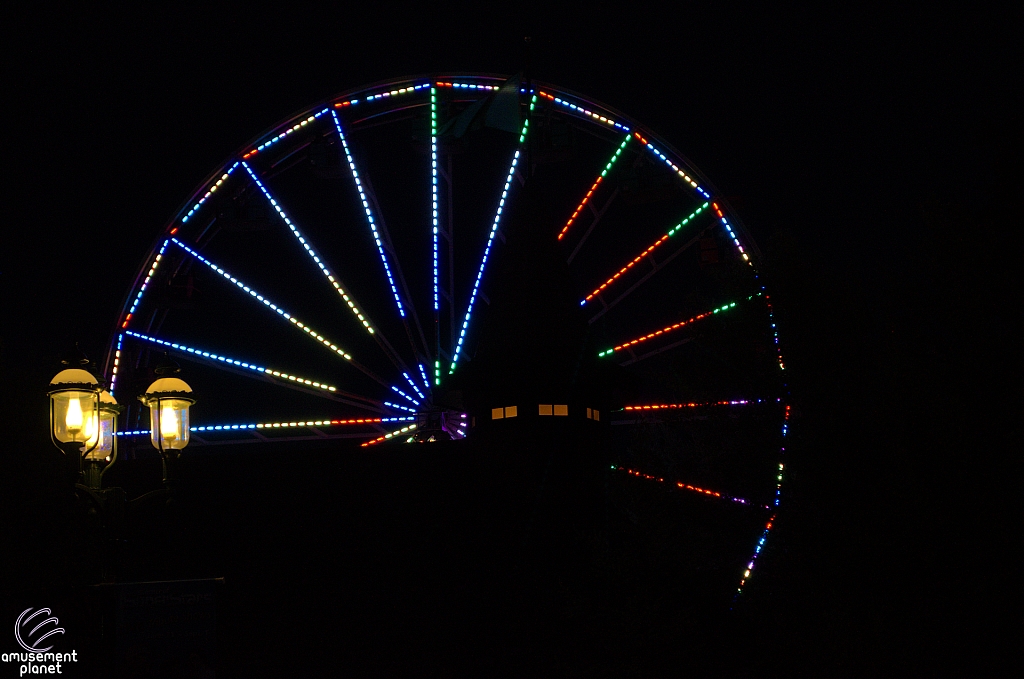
104 451
75 413
169 423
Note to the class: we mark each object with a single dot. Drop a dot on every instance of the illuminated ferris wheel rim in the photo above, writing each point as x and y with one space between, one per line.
385 88
413 91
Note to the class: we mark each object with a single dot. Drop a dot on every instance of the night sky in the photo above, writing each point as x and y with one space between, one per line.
861 150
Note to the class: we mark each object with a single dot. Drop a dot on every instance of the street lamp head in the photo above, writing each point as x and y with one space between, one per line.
75 411
169 399
105 451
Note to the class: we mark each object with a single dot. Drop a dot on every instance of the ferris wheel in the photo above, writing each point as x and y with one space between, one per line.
376 267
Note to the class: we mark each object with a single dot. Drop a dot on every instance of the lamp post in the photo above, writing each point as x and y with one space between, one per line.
169 399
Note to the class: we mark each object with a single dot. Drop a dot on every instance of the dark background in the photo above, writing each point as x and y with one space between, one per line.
862 149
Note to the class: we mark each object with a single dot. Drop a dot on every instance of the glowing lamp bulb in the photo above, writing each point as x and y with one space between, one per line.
168 424
73 419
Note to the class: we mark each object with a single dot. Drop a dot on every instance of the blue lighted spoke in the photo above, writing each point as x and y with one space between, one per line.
389 404
423 373
404 395
490 240
232 361
369 216
309 250
413 385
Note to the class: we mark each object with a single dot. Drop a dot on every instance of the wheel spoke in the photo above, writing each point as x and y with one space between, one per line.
705 404
696 489
645 253
433 200
254 430
343 290
390 435
423 374
369 216
655 268
312 253
395 406
670 328
281 312
490 239
586 198
413 385
404 395
598 214
435 233
303 423
251 369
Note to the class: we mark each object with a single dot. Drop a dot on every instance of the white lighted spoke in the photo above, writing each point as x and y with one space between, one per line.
433 188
